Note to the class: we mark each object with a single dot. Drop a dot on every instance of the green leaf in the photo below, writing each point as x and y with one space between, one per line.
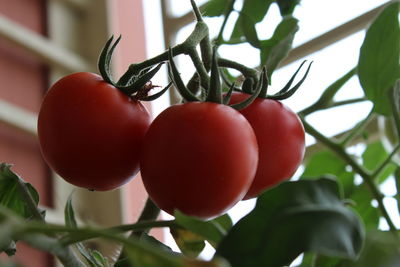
373 156
363 205
189 243
254 9
308 260
326 163
286 7
378 65
14 193
294 217
381 249
91 257
275 49
99 259
214 8
145 237
249 30
213 231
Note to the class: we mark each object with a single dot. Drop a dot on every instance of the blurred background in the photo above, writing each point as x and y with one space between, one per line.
42 40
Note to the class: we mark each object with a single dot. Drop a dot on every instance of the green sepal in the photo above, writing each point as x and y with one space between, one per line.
228 95
289 83
214 90
252 97
177 80
139 82
264 83
105 59
247 85
284 94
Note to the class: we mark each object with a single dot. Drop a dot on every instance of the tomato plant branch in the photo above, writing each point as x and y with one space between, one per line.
140 226
228 11
388 160
201 70
326 99
357 129
247 72
45 243
367 177
322 106
198 34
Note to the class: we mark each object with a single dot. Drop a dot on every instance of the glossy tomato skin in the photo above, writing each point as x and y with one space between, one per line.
90 133
281 140
199 158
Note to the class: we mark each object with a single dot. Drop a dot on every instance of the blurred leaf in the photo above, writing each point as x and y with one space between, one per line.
378 65
214 8
275 49
286 7
249 30
397 181
94 258
99 259
145 237
381 249
213 231
363 205
325 261
292 218
325 163
189 243
374 155
308 260
13 196
254 9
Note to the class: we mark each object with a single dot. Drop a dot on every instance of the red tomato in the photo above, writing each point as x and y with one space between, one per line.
281 141
90 133
199 158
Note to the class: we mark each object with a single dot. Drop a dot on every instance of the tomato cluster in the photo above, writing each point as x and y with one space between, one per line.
199 157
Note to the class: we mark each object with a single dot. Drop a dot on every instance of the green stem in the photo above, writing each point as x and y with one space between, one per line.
228 11
150 212
247 72
367 177
386 162
199 33
140 226
326 99
45 243
357 129
201 70
318 106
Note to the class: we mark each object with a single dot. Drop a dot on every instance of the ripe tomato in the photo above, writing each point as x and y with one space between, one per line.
90 133
281 141
199 158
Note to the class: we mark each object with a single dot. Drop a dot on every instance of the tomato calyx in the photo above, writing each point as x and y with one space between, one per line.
287 91
138 85
214 91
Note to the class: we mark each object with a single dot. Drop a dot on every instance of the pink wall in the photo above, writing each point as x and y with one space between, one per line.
23 82
127 19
